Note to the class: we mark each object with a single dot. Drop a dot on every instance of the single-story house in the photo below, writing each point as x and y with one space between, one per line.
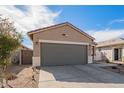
111 50
61 44
23 55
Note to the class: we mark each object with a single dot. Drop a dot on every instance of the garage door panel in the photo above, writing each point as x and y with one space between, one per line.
63 54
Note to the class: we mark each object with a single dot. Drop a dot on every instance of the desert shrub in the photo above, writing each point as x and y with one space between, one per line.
107 61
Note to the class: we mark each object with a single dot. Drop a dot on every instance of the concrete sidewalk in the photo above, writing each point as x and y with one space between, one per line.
90 75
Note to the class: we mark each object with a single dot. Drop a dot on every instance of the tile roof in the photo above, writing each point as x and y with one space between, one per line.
115 41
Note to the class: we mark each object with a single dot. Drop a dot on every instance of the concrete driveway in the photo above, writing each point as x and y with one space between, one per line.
90 75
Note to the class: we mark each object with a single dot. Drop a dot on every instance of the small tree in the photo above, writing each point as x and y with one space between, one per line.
10 40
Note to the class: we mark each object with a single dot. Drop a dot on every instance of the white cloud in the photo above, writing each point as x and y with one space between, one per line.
108 33
103 35
32 18
116 21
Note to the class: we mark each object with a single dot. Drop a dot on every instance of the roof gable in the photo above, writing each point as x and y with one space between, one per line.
58 25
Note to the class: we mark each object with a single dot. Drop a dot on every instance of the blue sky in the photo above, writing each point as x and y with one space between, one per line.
102 22
90 17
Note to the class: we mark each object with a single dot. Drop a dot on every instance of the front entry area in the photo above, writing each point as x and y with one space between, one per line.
118 54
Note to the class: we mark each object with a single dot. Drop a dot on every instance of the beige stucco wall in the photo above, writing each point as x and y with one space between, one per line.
108 52
123 53
56 35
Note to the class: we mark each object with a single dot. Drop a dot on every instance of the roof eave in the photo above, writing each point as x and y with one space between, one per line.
109 45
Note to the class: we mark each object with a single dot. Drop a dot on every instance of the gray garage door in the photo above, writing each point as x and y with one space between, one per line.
63 54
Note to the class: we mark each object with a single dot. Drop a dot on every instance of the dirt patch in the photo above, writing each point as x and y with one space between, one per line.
24 75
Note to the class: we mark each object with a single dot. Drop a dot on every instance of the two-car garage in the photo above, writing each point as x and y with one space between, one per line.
55 54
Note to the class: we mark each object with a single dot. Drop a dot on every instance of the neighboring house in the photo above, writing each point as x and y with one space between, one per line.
22 55
111 50
61 44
